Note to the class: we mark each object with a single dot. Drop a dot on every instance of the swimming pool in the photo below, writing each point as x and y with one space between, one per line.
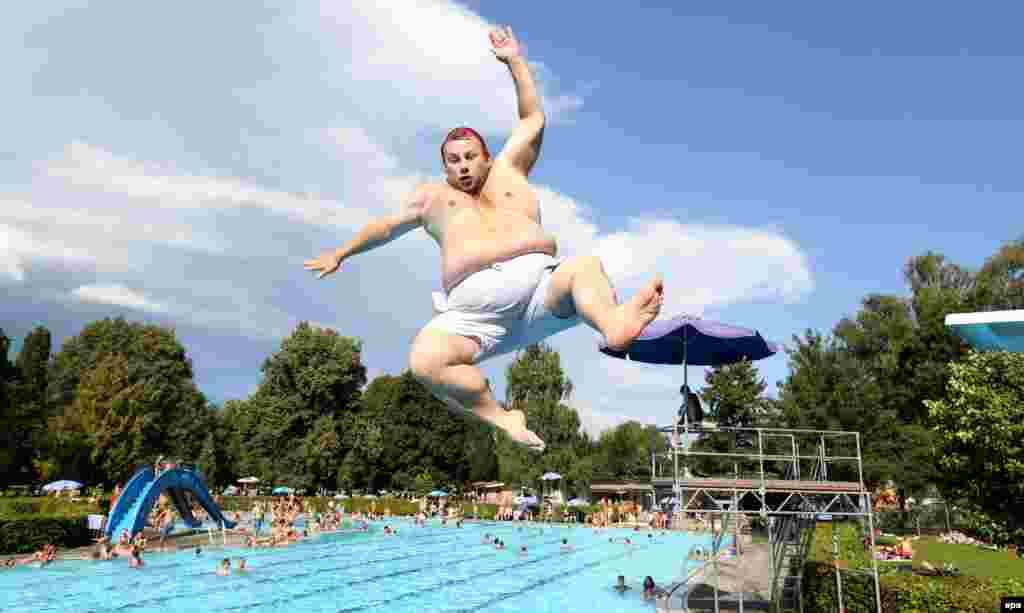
431 568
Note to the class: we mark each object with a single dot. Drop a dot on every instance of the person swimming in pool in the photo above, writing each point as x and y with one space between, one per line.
135 557
650 589
504 287
224 567
621 586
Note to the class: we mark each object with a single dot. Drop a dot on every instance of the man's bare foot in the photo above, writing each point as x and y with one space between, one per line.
514 424
632 316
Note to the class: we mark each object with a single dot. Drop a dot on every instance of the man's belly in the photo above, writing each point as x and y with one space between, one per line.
463 258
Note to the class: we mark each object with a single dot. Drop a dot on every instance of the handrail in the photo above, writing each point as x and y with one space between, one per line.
693 574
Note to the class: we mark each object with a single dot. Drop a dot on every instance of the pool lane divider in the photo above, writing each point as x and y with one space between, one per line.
254 554
434 538
410 571
452 582
551 579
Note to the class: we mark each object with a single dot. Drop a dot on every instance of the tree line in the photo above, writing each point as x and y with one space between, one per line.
121 393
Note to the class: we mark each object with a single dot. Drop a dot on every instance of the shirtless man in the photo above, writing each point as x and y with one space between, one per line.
503 287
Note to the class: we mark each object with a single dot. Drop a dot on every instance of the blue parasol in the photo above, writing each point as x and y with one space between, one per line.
692 341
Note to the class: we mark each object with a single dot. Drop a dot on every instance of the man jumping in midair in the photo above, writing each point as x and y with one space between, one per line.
503 287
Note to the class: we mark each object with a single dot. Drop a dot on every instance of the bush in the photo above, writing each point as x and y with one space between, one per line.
28 533
44 505
900 592
913 594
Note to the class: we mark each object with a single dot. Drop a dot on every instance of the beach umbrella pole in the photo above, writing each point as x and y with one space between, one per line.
686 424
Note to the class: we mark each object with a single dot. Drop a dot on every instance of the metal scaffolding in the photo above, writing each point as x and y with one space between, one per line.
775 476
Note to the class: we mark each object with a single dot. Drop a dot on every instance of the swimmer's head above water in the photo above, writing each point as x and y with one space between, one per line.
466 160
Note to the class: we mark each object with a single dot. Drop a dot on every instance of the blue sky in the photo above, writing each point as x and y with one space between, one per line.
176 163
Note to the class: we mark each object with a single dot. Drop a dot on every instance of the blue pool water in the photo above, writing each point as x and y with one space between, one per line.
432 568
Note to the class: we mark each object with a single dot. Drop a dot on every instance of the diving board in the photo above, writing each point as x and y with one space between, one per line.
990 331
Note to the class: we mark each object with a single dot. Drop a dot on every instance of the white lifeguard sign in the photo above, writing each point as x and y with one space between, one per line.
990 331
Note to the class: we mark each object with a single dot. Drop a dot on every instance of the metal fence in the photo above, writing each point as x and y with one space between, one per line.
931 518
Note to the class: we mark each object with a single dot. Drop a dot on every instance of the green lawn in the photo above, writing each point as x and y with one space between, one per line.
968 558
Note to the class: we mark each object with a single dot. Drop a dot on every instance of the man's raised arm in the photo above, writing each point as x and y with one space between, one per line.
376 233
523 146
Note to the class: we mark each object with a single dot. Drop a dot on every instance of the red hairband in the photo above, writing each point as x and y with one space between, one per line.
464 133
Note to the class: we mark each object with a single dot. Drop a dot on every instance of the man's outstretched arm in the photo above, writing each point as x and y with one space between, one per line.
376 233
523 146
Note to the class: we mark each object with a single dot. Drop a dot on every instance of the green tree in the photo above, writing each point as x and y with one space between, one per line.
207 462
828 388
1001 278
22 405
30 410
885 339
120 389
624 452
920 366
403 430
32 364
537 385
239 428
316 375
733 398
423 483
978 428
8 422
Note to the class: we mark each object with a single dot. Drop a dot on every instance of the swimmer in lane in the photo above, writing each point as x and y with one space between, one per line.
504 287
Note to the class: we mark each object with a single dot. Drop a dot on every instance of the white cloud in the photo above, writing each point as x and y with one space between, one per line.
353 145
432 54
703 266
90 168
18 247
117 295
13 245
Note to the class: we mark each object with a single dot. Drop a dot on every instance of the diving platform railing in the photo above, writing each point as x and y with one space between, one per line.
786 477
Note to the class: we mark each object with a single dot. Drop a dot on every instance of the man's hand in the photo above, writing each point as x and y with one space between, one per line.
326 264
504 44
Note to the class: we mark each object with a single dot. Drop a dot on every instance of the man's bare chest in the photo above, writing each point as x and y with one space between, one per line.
492 208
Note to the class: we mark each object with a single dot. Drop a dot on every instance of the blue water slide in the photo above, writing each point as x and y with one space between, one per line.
175 481
127 499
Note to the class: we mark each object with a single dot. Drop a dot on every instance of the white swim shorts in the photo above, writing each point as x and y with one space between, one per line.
502 306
